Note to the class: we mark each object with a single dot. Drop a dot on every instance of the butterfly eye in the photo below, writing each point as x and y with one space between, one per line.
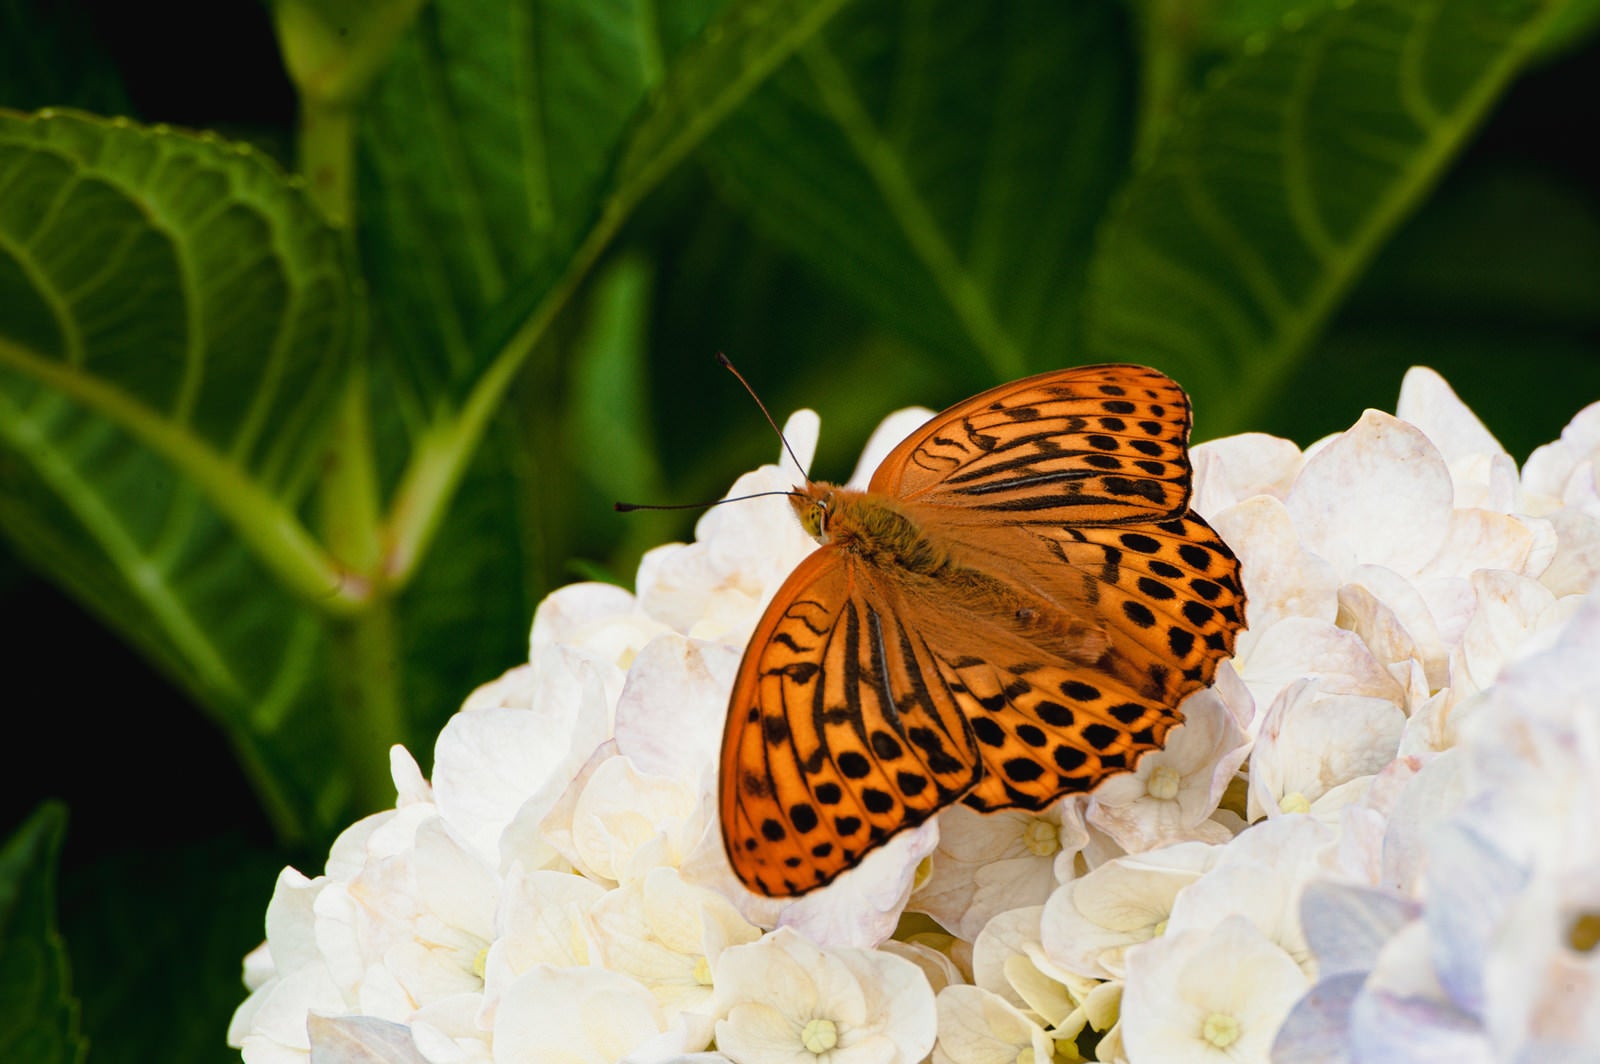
815 520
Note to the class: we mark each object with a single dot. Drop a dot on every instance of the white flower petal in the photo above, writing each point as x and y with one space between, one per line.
487 763
360 1040
1430 404
1261 875
1574 567
1283 579
1089 924
1317 1029
667 934
1311 742
1379 494
988 864
448 1031
1298 647
1208 995
783 997
937 967
1232 469
581 1016
275 1017
673 709
410 786
291 941
862 906
979 1027
1564 471
543 919
1347 925
1509 609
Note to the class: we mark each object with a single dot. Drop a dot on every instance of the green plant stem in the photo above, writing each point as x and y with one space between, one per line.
332 62
366 671
369 714
326 148
1167 28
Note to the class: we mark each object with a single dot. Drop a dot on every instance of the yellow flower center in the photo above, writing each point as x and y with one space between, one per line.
1294 802
1159 930
702 972
1584 934
480 963
1041 838
1163 783
1221 1030
819 1036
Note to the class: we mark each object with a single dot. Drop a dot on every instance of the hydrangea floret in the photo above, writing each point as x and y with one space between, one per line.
1375 838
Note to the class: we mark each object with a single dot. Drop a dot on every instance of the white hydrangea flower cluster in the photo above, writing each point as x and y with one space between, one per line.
1383 797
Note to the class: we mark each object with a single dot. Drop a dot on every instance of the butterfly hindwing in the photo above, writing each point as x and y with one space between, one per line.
1168 598
1094 444
841 732
1054 730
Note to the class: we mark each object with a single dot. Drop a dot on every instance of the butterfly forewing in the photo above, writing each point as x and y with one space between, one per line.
1096 444
841 731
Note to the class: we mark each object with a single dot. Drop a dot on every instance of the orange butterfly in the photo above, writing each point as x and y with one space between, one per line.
1011 612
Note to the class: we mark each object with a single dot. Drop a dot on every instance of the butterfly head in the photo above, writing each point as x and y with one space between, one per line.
814 503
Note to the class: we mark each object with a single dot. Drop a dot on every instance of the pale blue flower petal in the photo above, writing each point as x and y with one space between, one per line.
1317 1029
1346 925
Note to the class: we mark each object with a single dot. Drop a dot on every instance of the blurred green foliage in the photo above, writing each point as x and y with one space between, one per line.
308 403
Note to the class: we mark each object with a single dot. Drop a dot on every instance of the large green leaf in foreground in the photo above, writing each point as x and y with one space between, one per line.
1261 209
178 323
38 1016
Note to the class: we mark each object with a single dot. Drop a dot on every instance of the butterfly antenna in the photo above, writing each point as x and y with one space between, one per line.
629 507
728 365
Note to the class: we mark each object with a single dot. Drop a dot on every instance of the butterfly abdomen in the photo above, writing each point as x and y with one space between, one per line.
886 533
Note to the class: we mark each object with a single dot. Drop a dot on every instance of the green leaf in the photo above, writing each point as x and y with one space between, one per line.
1183 42
38 1015
179 289
485 148
1230 250
945 164
178 326
608 429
